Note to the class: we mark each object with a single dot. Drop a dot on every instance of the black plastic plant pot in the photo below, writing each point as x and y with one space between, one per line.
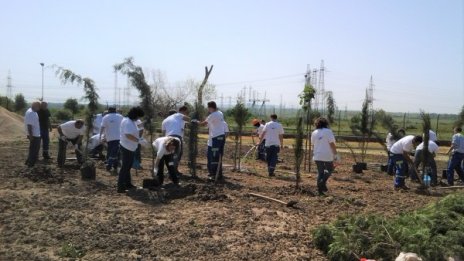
363 165
88 172
150 183
383 168
444 174
357 168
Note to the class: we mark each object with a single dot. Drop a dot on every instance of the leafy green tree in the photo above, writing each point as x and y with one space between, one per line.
306 96
298 149
6 102
330 108
240 113
460 120
72 105
20 103
62 115
363 125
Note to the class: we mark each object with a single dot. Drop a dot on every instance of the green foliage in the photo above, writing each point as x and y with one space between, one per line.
434 233
241 116
20 103
298 149
426 126
90 94
460 120
306 96
363 125
330 108
70 250
137 78
62 115
6 103
71 105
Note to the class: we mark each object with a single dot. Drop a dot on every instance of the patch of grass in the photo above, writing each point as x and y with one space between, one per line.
434 233
69 250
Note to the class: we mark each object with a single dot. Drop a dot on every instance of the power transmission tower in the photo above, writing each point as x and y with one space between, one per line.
322 93
222 101
314 83
253 101
127 93
370 99
9 86
262 109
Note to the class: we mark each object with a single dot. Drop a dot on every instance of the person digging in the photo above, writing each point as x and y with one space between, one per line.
71 131
165 148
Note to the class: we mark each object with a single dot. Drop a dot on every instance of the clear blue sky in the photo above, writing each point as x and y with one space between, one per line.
413 48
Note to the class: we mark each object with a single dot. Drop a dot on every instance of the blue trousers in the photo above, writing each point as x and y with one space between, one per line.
112 154
261 151
400 168
45 136
455 165
215 151
124 179
272 155
324 171
33 153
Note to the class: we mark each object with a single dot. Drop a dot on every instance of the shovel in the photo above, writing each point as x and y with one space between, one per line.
290 204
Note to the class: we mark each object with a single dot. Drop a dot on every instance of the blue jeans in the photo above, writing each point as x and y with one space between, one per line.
455 165
33 153
272 155
45 136
124 179
215 152
324 171
390 164
261 151
112 154
400 168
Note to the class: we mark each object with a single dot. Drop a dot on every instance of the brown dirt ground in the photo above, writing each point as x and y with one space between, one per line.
11 125
44 208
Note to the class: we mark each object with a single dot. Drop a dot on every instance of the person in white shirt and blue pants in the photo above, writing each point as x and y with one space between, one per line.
273 133
457 156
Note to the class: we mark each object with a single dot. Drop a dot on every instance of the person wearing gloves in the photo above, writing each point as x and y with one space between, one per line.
273 133
173 126
32 128
71 131
216 140
324 152
111 131
418 158
165 148
129 141
401 158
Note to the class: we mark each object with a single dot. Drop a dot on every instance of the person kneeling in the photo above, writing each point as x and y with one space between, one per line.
165 148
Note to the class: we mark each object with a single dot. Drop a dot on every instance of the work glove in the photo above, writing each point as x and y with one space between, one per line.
337 158
76 147
155 172
63 138
194 121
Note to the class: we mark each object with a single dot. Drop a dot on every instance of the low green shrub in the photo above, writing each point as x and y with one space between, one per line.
434 233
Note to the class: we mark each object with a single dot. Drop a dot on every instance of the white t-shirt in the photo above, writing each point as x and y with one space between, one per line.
321 139
215 124
403 145
432 136
389 141
226 127
160 146
433 147
112 124
272 130
97 122
94 141
174 125
32 118
70 131
128 126
260 129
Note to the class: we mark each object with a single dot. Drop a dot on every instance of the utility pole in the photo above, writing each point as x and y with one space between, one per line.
262 110
9 90
42 64
322 87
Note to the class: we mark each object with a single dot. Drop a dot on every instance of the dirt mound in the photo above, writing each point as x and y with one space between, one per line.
11 125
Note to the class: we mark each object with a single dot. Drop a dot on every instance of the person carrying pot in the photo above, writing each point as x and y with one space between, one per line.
165 148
